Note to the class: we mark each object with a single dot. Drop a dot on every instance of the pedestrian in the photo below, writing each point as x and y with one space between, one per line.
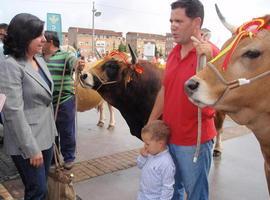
3 32
155 161
57 60
29 127
178 112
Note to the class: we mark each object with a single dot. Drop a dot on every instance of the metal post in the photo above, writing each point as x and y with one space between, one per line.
95 13
93 29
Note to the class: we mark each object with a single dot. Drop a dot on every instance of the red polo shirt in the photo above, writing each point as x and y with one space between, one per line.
179 113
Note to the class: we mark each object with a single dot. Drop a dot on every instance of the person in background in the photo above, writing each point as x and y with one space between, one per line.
56 60
29 127
158 169
3 32
177 111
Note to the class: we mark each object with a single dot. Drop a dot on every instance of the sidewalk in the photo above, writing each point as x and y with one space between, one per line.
106 164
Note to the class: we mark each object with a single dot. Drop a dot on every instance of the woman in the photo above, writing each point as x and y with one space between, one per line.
29 128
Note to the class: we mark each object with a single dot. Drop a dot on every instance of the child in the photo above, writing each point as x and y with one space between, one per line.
158 169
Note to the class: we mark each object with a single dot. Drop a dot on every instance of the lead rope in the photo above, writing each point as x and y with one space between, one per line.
201 61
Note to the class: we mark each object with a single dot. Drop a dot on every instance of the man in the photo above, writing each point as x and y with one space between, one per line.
178 112
65 122
3 32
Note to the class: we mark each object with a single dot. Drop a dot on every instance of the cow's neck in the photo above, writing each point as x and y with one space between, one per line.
257 121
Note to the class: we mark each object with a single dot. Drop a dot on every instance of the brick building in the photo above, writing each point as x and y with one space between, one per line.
105 40
138 41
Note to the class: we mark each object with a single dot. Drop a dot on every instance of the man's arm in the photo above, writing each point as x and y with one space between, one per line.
158 106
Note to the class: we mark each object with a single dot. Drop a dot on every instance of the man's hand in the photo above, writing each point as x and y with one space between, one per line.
36 160
80 65
203 47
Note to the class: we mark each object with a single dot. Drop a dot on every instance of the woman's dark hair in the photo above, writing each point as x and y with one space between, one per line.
193 8
52 36
23 28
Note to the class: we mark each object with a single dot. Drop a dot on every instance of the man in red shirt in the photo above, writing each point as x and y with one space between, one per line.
178 112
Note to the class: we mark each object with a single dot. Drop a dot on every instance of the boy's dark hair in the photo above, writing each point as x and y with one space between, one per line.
158 129
3 26
22 29
193 8
52 36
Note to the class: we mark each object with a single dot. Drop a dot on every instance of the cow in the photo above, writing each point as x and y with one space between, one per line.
131 86
87 99
237 81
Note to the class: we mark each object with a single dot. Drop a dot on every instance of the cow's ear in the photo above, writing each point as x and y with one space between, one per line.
133 55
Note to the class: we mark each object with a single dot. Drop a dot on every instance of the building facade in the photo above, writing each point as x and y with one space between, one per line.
146 44
104 40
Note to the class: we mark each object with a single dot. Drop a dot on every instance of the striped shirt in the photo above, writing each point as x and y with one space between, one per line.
157 178
56 66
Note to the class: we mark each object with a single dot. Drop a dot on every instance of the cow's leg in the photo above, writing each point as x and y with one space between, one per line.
101 120
218 119
218 144
112 119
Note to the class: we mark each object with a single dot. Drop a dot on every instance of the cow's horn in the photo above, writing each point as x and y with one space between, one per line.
133 55
230 27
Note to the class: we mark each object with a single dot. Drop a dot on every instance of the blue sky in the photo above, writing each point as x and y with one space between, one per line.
149 16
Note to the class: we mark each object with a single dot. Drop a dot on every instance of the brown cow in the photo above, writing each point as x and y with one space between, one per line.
237 82
131 91
129 86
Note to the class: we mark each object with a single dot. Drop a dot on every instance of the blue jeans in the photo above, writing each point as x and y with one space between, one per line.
65 124
34 179
191 177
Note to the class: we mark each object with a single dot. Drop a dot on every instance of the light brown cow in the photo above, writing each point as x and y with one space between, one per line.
237 82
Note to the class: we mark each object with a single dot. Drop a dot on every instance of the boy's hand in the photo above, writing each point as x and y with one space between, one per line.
144 152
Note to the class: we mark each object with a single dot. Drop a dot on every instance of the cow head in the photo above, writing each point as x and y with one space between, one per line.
239 76
114 69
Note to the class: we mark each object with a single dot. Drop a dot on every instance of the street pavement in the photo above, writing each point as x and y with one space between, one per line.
237 175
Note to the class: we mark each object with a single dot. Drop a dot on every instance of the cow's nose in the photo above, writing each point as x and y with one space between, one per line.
84 76
191 86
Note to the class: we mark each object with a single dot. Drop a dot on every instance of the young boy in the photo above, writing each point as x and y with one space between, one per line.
158 169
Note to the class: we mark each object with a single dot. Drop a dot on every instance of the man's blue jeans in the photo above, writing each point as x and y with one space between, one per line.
65 125
191 177
34 179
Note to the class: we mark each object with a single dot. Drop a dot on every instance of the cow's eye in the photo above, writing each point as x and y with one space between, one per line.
252 54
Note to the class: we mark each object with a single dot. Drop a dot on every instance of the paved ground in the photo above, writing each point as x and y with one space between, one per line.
106 160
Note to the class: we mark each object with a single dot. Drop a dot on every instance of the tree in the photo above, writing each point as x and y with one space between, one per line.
122 47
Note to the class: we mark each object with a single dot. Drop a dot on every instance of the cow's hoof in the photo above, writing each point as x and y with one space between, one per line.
217 153
100 124
110 127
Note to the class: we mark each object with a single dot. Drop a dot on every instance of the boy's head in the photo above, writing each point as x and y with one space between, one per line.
155 136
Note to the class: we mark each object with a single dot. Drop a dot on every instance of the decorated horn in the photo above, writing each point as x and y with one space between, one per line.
133 55
230 27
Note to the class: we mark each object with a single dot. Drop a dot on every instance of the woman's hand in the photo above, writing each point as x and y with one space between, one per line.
36 160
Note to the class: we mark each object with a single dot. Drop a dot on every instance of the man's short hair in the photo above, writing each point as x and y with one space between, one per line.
193 8
52 36
158 129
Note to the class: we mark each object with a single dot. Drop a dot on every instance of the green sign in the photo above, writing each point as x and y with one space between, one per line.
54 23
